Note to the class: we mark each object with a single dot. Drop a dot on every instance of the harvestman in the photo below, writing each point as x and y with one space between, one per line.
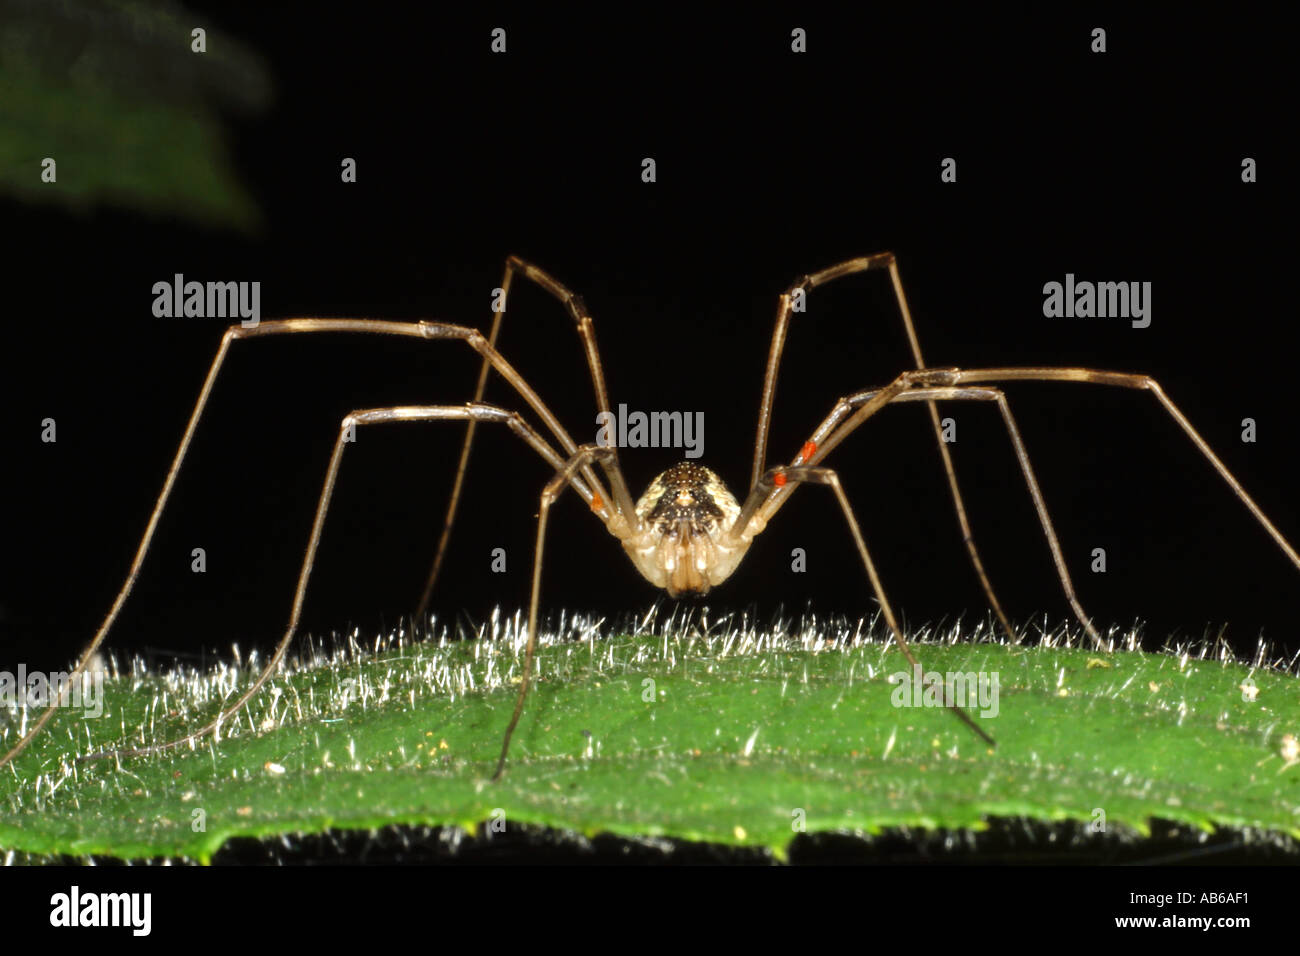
687 533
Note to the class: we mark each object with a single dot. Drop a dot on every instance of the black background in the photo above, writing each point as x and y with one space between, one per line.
1122 166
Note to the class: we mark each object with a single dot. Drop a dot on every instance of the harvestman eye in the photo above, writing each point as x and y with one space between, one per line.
687 533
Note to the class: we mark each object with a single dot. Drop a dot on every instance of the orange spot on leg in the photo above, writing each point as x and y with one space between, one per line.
808 450
597 503
779 479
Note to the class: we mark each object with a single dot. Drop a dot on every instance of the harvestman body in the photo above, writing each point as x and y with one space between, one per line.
687 533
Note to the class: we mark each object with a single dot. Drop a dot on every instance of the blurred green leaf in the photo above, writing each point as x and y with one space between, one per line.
113 93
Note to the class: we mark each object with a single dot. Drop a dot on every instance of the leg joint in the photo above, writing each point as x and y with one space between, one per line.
803 283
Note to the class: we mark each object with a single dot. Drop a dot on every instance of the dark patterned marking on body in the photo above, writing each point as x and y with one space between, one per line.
685 494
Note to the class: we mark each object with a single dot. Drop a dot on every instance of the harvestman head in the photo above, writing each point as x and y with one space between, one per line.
687 533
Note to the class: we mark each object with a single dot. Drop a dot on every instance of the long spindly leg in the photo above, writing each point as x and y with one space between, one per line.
794 474
577 310
883 260
912 386
834 430
1129 380
372 416
563 476
418 330
830 426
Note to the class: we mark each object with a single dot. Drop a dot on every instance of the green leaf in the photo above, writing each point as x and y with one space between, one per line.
114 94
740 738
